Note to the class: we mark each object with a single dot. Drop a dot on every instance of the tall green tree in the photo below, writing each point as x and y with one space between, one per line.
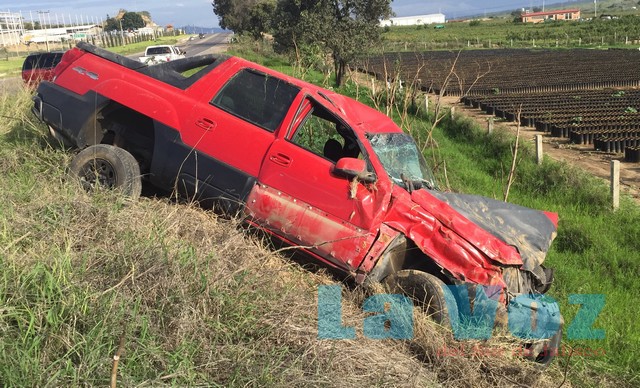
343 28
111 24
245 16
132 21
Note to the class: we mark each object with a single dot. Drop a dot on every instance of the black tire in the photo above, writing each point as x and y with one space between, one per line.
108 166
426 291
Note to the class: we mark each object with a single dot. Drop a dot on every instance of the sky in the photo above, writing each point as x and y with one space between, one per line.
199 12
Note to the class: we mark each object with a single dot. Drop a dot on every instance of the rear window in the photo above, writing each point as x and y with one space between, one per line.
42 61
158 50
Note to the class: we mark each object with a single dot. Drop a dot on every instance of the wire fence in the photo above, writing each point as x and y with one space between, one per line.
24 32
476 43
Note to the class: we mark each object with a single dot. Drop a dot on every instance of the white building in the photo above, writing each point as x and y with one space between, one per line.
436 18
61 34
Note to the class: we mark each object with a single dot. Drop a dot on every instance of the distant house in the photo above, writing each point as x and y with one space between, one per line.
539 17
437 18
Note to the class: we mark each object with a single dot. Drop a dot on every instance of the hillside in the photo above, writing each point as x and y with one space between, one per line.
184 297
181 296
588 8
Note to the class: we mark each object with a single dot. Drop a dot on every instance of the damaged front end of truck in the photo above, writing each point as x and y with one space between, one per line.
486 252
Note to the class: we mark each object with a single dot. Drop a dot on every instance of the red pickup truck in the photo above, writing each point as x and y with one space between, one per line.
311 167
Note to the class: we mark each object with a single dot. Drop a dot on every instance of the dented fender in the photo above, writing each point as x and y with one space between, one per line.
471 238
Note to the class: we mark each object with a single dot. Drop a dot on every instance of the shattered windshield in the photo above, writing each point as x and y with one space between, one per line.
400 157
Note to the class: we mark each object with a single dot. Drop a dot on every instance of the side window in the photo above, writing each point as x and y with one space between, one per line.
326 136
50 61
29 63
261 99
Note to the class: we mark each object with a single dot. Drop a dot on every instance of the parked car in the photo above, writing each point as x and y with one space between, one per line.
311 167
39 66
201 35
162 53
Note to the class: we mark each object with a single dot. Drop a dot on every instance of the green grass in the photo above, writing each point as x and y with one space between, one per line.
11 67
504 33
183 297
196 301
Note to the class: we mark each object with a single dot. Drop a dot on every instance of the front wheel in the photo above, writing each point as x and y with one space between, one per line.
108 166
428 292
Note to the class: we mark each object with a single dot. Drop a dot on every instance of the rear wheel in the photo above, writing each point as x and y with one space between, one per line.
108 166
426 291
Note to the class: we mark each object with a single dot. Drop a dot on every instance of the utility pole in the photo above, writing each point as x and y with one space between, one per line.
44 24
122 32
595 9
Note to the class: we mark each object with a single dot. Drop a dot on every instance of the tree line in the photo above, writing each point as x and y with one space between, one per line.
340 29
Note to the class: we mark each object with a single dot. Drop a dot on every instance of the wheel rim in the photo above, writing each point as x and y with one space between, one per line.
99 172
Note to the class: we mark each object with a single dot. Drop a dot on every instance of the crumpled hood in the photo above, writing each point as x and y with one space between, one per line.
529 231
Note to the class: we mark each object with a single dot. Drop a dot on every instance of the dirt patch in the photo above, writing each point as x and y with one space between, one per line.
560 149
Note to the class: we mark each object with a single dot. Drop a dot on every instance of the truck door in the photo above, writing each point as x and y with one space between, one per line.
230 131
300 198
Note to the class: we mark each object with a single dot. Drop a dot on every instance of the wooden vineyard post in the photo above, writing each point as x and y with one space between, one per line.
539 153
615 183
453 113
490 125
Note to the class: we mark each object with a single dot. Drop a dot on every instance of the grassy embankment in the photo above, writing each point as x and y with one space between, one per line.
190 299
181 296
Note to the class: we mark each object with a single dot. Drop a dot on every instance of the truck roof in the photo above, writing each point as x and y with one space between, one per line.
364 117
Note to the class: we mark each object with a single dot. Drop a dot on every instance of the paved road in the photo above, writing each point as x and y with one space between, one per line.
210 44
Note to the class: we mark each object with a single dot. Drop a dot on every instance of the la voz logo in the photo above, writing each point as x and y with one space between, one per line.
529 316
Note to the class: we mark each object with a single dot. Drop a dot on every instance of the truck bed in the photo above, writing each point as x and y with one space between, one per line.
168 72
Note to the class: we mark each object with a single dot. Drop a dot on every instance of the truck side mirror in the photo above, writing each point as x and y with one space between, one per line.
354 168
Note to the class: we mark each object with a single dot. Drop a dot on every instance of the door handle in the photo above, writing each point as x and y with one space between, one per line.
281 159
206 124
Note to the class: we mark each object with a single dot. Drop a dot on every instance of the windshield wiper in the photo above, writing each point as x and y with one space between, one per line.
416 184
410 184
